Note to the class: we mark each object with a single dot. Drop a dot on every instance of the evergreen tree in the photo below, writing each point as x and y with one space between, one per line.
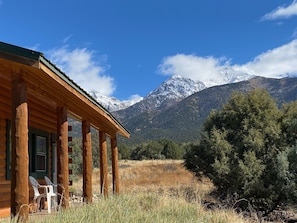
171 150
243 151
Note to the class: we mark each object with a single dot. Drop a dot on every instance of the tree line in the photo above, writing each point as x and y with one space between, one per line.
162 149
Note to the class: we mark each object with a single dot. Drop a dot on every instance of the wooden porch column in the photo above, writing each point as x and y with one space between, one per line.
19 150
103 164
62 153
115 166
87 161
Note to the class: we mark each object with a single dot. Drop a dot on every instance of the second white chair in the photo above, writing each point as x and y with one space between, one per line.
49 193
55 191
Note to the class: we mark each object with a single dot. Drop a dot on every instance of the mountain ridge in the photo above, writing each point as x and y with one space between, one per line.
170 91
177 109
183 121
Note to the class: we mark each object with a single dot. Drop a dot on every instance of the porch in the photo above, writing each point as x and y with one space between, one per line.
37 99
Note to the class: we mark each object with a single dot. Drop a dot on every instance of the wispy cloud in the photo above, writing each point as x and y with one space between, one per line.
294 35
84 68
66 39
282 12
275 63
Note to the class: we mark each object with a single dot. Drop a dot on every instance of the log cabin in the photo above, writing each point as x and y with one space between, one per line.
37 99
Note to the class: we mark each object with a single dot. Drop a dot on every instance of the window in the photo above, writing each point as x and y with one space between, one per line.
40 155
38 152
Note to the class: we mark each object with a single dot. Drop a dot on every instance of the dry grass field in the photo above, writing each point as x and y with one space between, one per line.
151 191
165 181
157 176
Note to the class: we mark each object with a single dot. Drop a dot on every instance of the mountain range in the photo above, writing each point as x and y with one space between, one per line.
177 109
174 89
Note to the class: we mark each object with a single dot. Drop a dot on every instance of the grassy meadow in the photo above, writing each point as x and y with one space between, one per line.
151 191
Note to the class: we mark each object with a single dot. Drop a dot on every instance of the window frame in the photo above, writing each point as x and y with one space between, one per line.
34 136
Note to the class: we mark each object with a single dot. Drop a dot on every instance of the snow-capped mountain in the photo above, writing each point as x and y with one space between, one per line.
175 88
112 103
171 91
227 75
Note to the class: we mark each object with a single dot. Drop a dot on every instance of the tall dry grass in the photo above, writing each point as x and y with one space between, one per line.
160 190
151 176
151 191
144 208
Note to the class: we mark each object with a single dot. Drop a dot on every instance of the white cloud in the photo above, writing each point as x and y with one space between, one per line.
275 63
193 67
282 12
81 66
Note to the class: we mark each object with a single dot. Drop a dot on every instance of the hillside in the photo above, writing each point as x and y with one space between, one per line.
182 121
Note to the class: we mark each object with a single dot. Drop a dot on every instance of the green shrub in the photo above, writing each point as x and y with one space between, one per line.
246 150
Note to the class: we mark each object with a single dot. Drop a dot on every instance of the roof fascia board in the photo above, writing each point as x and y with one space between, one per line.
65 78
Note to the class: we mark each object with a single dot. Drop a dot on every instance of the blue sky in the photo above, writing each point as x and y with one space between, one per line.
125 48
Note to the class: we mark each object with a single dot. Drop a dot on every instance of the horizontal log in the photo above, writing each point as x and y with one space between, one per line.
5 112
5 87
43 127
3 156
4 196
42 124
2 174
2 133
41 118
5 100
3 164
5 188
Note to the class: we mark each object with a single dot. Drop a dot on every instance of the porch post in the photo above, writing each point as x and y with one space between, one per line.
115 166
87 161
19 150
103 164
62 153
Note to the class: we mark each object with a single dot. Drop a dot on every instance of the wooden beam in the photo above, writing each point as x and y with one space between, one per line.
87 161
19 151
103 164
62 153
115 165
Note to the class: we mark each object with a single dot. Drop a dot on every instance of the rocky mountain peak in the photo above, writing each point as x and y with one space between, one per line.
171 91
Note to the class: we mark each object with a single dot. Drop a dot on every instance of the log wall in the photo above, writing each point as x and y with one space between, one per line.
5 113
4 184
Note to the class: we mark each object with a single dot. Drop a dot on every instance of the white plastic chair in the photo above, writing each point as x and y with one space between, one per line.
37 195
55 186
49 193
